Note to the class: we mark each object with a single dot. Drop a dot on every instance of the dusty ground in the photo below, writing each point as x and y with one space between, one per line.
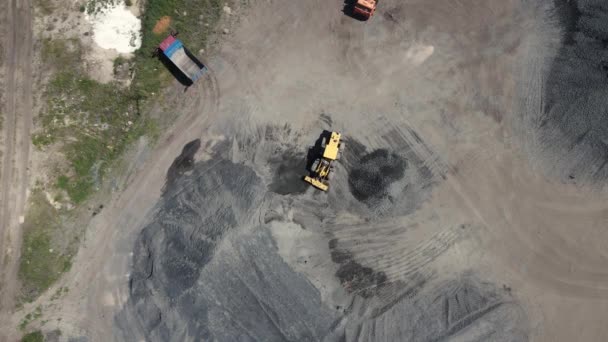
469 205
16 113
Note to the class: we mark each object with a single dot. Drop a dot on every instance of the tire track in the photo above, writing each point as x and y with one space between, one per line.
439 167
396 260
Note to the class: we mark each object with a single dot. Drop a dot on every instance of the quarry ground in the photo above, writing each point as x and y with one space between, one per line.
469 205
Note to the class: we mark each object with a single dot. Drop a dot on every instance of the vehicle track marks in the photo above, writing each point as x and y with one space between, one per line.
391 249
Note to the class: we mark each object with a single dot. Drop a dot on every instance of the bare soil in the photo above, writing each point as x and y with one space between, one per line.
443 221
16 110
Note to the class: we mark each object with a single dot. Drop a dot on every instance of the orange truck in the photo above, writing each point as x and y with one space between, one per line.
365 8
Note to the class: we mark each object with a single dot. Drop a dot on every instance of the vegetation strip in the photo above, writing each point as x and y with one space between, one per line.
92 124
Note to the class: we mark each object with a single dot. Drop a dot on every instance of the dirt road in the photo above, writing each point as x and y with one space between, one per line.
17 120
441 223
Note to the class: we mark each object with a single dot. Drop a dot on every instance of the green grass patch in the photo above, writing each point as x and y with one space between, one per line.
94 122
94 6
60 292
61 52
30 317
118 63
35 336
42 262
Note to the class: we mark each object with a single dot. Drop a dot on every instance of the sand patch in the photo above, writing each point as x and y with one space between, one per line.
419 53
116 28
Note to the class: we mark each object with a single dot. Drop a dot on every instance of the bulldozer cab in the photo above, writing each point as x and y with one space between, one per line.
332 147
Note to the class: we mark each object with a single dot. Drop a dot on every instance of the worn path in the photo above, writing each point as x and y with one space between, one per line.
17 120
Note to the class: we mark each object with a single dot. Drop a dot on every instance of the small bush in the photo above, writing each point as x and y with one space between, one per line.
45 6
119 62
35 336
41 264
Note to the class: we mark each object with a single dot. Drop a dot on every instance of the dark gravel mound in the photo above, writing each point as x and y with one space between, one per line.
204 270
172 251
200 274
353 276
571 124
376 171
387 182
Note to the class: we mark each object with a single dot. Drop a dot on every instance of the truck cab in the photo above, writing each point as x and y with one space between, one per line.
365 8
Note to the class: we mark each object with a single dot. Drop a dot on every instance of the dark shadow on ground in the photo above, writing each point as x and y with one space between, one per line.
289 171
183 163
349 10
174 70
316 150
194 58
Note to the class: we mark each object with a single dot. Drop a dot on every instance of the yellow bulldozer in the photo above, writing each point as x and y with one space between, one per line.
321 169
